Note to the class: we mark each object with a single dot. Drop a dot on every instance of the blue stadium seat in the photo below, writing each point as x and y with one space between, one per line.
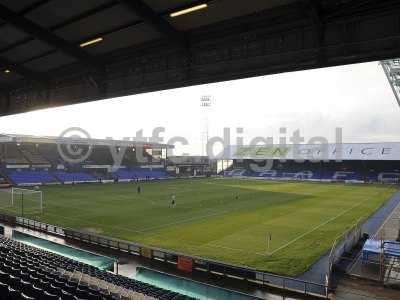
30 273
31 177
76 177
138 173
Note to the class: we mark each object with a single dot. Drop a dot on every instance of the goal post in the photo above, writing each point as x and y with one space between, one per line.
26 200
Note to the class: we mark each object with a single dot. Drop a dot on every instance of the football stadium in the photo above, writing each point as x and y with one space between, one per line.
98 218
280 221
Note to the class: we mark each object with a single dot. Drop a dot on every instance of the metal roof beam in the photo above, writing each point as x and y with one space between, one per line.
155 20
30 8
46 36
64 23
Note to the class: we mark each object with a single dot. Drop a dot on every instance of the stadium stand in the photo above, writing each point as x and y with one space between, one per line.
49 151
30 177
31 153
186 166
352 171
137 156
36 177
147 157
129 158
74 177
100 155
12 155
100 174
30 273
4 182
305 175
59 160
138 173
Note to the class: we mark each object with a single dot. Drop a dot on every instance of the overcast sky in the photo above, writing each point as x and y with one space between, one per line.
356 98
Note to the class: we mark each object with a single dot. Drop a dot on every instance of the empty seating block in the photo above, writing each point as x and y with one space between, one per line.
126 174
74 177
30 273
296 175
31 177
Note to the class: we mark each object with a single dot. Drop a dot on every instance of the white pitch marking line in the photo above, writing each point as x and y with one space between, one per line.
317 227
292 241
233 249
190 219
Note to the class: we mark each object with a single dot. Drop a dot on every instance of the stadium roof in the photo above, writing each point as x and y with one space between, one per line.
57 52
19 138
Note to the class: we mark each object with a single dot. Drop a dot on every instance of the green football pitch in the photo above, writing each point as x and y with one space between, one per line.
229 220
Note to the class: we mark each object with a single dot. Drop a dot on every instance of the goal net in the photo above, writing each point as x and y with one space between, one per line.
22 202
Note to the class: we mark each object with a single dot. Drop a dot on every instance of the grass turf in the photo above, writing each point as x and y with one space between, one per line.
223 219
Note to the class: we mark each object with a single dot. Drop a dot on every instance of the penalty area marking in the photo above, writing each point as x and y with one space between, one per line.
213 245
317 227
296 239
